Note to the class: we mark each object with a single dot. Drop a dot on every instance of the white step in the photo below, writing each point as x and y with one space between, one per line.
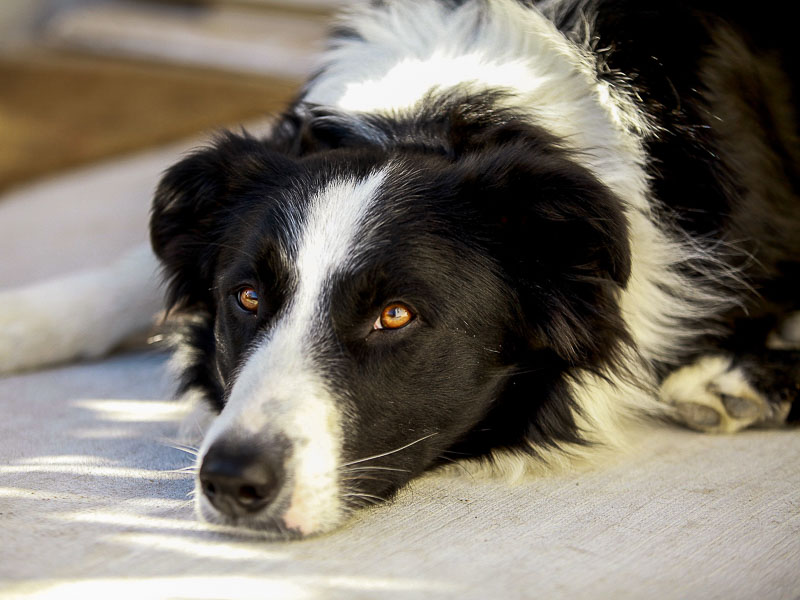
230 37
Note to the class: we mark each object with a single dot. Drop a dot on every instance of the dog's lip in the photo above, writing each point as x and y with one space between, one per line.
271 528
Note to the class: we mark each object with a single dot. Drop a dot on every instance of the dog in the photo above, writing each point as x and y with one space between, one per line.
492 231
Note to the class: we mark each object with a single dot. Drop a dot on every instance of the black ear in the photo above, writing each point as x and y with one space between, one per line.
321 128
561 239
196 201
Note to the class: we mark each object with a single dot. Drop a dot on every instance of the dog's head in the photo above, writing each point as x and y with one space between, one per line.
372 306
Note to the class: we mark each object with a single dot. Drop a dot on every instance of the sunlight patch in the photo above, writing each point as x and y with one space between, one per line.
126 411
211 548
170 587
234 587
62 459
99 471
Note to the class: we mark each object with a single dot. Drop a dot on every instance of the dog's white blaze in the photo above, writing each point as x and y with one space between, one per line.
333 238
280 391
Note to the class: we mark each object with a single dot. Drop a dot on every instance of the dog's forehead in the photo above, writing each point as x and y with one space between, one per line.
392 221
312 222
328 232
337 219
322 228
331 231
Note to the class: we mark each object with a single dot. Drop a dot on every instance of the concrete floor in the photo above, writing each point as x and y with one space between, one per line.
92 504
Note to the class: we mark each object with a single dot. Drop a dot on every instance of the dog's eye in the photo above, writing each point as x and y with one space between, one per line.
247 298
394 316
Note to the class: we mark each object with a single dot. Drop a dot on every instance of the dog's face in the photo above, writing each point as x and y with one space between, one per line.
370 310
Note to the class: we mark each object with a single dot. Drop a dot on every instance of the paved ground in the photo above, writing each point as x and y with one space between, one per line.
91 504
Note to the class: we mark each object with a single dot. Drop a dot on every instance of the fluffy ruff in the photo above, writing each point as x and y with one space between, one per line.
571 207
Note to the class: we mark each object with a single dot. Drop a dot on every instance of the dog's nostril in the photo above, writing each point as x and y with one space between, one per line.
209 488
249 494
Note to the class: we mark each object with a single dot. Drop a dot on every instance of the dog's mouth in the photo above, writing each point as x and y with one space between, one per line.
283 495
287 518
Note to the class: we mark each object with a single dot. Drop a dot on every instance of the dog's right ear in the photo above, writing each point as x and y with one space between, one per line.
194 202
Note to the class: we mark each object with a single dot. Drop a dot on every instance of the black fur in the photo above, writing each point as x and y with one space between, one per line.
478 241
699 188
512 254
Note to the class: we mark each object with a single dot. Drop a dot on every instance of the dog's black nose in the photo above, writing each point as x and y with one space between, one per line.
239 481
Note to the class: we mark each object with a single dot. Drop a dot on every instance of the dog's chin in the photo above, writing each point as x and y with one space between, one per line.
263 527
276 524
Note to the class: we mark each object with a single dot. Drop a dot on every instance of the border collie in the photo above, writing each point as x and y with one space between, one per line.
490 230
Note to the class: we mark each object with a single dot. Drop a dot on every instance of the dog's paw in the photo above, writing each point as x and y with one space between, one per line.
81 315
714 395
24 329
75 317
39 326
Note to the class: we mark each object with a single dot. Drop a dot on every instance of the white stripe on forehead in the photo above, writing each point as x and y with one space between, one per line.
279 366
329 237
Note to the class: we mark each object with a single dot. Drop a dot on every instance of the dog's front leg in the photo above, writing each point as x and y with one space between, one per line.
724 393
81 315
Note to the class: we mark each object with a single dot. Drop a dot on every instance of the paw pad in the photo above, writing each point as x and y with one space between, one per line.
698 415
711 395
740 408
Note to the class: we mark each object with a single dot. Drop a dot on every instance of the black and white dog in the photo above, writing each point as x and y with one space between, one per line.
486 229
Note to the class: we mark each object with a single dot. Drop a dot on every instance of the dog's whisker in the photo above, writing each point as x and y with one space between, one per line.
456 452
382 454
371 468
363 495
183 448
366 478
457 463
189 469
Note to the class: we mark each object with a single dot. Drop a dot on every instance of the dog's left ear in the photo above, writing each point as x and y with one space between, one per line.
560 237
194 203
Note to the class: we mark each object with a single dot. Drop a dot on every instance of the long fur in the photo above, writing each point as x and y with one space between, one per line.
589 208
555 190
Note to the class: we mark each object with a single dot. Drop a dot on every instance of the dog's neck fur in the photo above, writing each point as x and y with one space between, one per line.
385 65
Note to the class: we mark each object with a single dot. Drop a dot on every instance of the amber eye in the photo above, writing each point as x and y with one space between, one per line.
394 316
248 299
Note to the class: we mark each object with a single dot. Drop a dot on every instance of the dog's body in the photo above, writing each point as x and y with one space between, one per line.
491 230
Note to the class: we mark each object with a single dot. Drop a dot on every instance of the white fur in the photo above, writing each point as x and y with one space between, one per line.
513 49
698 392
81 315
280 390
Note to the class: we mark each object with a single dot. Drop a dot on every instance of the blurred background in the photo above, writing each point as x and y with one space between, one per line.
84 80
